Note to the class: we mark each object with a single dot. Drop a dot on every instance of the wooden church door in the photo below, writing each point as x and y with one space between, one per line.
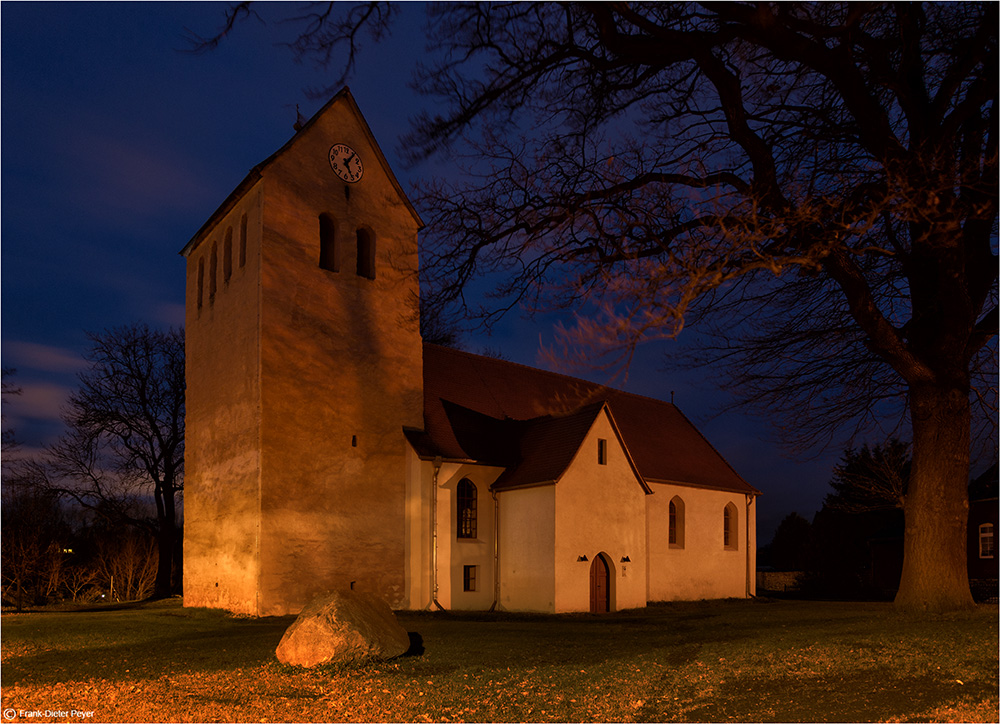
600 589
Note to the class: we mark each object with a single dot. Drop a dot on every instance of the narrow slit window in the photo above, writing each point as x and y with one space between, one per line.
201 282
329 256
243 241
227 255
602 451
366 254
213 271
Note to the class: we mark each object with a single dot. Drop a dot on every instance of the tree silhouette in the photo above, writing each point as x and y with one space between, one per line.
122 455
814 183
871 479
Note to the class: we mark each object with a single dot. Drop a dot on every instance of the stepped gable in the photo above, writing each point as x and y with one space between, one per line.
664 445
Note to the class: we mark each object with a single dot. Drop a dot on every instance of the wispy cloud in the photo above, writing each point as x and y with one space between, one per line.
169 313
132 179
39 401
33 356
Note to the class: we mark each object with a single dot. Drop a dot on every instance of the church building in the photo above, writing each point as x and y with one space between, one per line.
328 447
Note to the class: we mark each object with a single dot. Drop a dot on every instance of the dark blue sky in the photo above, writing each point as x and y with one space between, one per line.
117 145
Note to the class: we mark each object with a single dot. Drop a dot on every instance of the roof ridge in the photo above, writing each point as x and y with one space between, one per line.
716 450
562 375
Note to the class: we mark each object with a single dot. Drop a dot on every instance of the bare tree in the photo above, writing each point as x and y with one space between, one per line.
817 182
30 543
125 565
123 452
78 578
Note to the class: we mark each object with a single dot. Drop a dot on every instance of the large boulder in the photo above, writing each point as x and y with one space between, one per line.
343 627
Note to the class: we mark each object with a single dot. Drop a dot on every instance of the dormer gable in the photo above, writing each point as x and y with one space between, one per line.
548 446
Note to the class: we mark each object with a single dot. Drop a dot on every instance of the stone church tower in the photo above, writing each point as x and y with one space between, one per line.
303 368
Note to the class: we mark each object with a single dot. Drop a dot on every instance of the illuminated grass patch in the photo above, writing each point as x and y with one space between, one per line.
710 661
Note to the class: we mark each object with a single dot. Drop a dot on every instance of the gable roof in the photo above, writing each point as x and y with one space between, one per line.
255 174
463 391
545 447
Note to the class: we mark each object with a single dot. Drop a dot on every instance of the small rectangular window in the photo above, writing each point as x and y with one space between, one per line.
469 578
987 547
602 451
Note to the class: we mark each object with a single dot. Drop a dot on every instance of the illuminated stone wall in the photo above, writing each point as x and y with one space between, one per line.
222 456
333 374
341 371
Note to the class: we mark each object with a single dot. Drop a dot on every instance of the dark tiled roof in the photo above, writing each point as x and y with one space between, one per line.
470 403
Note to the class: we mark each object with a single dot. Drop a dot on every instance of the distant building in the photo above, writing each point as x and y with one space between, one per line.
329 447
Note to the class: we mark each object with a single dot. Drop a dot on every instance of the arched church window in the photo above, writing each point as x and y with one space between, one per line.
329 258
675 532
227 255
243 241
730 527
366 254
466 509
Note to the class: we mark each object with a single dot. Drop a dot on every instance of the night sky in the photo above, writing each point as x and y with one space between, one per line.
118 144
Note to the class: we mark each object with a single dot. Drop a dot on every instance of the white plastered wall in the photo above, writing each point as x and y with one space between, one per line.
600 509
703 567
527 543
453 553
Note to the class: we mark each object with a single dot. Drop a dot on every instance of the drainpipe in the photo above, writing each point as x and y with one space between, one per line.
749 499
496 550
434 528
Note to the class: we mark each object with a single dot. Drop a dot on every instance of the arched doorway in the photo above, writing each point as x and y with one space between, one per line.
600 585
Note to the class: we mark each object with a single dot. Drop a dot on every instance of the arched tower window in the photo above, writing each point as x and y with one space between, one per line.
227 255
675 532
243 241
730 528
201 281
466 509
329 258
213 271
366 254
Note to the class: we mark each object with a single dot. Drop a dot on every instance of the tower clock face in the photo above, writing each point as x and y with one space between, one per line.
346 163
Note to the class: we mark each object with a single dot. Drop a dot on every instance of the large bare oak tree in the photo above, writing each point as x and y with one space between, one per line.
817 183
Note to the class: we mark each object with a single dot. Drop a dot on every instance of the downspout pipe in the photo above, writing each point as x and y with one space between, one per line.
434 536
496 550
749 499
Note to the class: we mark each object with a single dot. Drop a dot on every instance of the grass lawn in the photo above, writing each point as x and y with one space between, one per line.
707 661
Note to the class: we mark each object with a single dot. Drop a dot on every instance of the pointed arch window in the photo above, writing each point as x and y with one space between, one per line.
467 505
675 530
730 528
366 254
329 254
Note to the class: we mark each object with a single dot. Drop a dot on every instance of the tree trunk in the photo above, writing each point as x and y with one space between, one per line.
935 577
